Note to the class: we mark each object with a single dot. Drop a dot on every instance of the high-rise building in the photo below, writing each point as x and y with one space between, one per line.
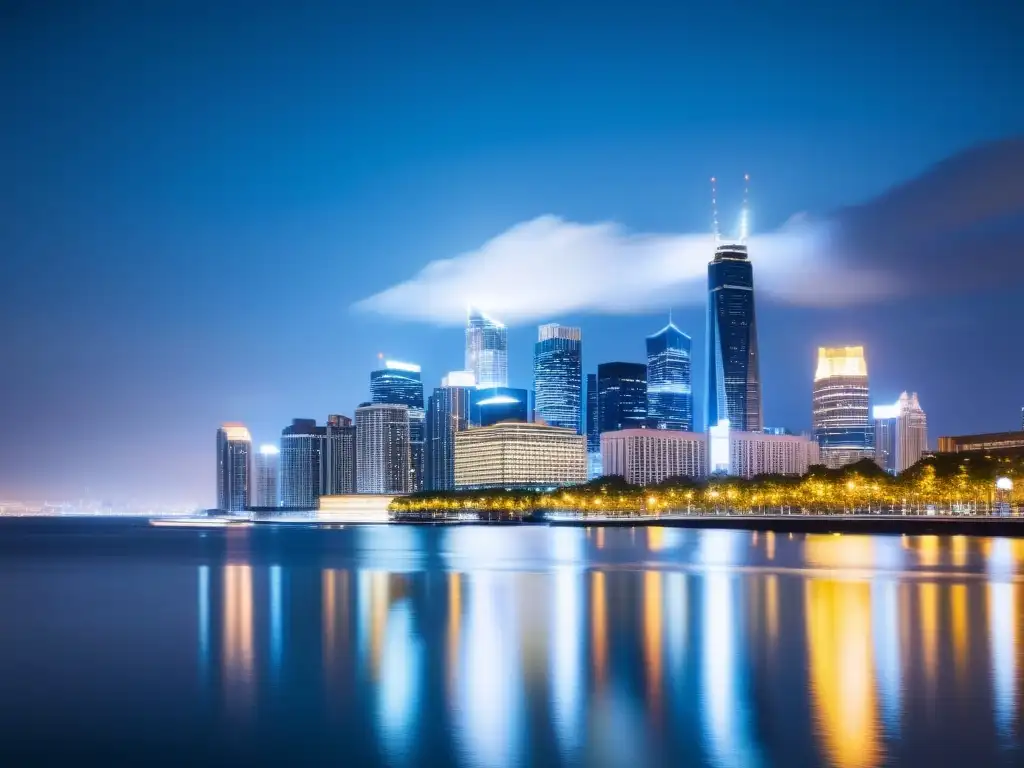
382 449
901 433
302 464
733 370
593 431
493 404
486 350
234 449
841 418
621 396
400 384
265 469
339 456
519 455
669 388
447 413
558 376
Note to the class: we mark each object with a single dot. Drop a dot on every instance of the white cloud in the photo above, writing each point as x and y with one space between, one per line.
549 267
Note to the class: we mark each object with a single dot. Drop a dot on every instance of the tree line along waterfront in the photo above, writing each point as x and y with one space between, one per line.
942 484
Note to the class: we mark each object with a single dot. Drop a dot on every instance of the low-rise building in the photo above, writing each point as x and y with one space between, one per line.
519 455
994 442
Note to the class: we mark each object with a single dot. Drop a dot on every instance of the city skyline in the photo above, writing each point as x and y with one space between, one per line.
174 209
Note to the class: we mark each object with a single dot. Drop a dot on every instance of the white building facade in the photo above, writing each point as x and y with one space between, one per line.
519 455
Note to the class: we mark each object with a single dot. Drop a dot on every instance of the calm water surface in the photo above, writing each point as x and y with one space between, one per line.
506 646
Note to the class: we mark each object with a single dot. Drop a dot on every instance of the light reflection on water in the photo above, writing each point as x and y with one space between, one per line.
498 646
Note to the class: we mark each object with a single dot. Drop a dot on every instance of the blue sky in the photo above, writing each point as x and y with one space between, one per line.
192 198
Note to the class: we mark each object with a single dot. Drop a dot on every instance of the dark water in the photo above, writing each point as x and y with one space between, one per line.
505 646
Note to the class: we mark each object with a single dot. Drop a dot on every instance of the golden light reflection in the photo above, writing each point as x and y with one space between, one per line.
770 544
600 538
958 617
237 619
334 596
826 551
959 550
655 539
378 619
653 636
928 595
599 626
928 551
842 670
454 626
772 607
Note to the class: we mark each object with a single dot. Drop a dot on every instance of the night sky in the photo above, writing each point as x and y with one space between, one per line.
194 199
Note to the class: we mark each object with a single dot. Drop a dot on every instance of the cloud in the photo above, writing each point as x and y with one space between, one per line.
549 267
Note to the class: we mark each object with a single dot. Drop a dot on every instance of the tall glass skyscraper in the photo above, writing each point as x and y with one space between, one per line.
486 350
842 420
265 471
621 396
400 384
593 427
382 449
339 456
447 413
234 459
302 464
669 388
901 433
558 376
733 375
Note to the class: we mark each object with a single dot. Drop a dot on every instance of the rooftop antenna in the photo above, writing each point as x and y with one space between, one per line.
745 213
714 210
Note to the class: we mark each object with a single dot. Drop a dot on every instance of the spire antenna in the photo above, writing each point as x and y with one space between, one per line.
714 210
745 213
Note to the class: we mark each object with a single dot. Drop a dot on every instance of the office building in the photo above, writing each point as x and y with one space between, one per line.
558 376
591 429
265 469
447 413
519 455
651 456
486 350
339 456
302 464
669 388
382 449
901 434
400 383
733 364
493 404
234 449
621 396
994 443
841 416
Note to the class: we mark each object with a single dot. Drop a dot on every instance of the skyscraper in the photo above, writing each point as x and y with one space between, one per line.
486 350
339 457
302 464
234 448
558 376
669 389
382 449
447 413
265 468
901 433
733 374
842 423
593 428
621 396
400 384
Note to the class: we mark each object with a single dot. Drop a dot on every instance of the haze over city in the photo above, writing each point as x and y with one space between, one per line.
208 221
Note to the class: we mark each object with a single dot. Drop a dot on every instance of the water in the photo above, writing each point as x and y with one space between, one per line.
506 646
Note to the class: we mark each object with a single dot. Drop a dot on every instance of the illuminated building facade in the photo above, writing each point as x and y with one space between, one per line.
901 434
302 464
447 413
1005 443
486 350
399 383
265 469
841 416
382 449
733 364
339 456
650 456
558 376
519 455
621 396
669 387
591 429
493 404
234 457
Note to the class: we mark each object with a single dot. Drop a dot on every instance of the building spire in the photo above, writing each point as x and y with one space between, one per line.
714 210
745 212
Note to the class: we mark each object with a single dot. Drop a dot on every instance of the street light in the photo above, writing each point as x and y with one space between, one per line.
1004 484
